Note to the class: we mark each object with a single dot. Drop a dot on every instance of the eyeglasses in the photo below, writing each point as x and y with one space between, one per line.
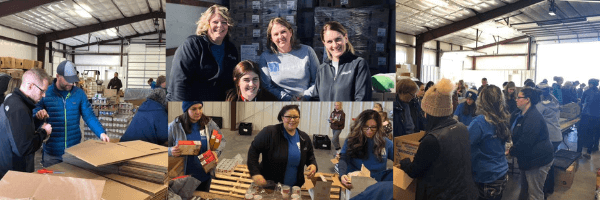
521 97
373 128
291 117
43 91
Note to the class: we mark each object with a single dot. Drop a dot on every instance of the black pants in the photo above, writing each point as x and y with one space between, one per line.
587 133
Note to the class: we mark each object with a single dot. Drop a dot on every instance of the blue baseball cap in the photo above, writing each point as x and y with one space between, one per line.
67 69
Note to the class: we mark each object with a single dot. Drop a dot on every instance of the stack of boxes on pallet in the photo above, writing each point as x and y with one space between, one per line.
252 20
367 30
91 87
16 67
113 115
227 166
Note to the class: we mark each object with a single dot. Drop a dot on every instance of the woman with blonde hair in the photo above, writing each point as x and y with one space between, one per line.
203 64
343 76
12 85
288 68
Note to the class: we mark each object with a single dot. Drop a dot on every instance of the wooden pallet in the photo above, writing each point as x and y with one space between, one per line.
234 184
237 183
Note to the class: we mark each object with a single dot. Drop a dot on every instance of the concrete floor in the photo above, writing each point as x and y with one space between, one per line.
584 183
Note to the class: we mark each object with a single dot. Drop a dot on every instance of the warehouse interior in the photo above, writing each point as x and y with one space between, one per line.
313 121
504 40
101 38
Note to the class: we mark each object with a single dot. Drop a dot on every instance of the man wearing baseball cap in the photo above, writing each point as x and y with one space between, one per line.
62 107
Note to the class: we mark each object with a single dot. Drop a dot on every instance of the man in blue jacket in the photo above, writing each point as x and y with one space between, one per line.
20 138
62 108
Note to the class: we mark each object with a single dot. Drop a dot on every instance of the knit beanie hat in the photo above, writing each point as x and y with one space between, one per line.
187 104
437 101
472 94
546 89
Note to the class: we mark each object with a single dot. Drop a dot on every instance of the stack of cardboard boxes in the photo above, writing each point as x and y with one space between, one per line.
16 67
367 31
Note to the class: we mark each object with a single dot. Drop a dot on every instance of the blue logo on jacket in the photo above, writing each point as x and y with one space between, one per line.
273 67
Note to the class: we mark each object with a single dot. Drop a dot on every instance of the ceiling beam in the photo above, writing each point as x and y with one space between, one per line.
117 39
501 42
17 6
192 3
101 26
471 21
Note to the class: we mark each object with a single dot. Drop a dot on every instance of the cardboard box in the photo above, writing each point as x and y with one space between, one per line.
20 185
405 147
39 64
565 178
15 73
113 153
189 147
110 92
28 64
8 63
18 63
112 190
322 187
215 140
208 160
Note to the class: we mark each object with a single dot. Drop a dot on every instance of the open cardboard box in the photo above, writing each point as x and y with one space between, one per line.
360 180
405 146
21 185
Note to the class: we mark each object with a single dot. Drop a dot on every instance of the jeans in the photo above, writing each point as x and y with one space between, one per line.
204 186
49 160
336 138
532 182
493 190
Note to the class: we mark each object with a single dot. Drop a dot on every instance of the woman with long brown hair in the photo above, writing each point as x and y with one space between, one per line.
194 125
366 145
246 77
510 94
343 76
488 134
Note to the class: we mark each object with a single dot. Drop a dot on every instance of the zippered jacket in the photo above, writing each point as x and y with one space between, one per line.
19 139
65 113
352 82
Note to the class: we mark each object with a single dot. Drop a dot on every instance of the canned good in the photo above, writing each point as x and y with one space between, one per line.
249 197
295 190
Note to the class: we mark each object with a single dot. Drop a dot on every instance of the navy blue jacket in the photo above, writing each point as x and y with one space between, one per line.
195 73
532 145
149 124
352 81
19 139
590 103
64 114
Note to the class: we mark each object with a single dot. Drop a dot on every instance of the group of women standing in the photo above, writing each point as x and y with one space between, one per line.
468 160
207 66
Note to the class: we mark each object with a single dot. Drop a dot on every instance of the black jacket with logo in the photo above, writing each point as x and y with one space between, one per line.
272 144
352 81
531 142
195 73
19 139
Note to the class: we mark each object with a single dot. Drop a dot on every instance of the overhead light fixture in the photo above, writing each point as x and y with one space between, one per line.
552 11
111 32
593 19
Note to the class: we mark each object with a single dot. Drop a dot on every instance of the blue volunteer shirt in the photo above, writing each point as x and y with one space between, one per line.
194 167
293 158
370 162
487 152
218 51
465 119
